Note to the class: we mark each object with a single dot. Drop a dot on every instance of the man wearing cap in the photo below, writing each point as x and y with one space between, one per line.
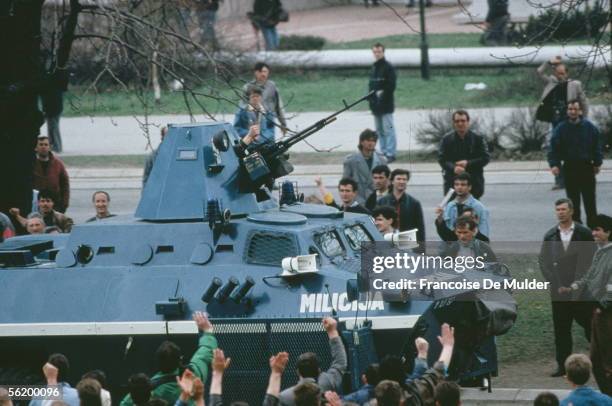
49 173
596 285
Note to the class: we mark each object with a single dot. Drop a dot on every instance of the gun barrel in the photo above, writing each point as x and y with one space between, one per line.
284 145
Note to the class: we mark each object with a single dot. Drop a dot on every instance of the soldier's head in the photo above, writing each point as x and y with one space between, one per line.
578 369
461 122
43 146
602 228
261 70
35 224
564 209
101 200
465 229
168 357
388 393
384 218
46 202
380 177
254 95
378 50
347 188
399 180
447 394
308 365
367 141
560 71
574 109
462 184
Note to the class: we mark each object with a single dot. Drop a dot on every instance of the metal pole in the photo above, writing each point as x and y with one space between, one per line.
424 46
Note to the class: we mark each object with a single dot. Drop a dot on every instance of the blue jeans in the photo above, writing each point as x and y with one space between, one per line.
271 37
386 134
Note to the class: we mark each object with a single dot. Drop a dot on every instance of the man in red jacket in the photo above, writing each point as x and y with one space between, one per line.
49 173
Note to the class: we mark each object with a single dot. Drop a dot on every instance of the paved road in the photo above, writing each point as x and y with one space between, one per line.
519 212
124 135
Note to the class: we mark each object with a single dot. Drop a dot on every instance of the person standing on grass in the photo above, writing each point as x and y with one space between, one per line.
383 81
565 257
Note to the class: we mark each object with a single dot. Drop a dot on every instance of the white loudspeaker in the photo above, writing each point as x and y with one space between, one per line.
405 240
301 264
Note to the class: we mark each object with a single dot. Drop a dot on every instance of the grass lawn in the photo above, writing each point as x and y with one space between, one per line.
455 40
532 338
324 91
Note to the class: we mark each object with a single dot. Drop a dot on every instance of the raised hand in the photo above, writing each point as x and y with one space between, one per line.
447 337
201 320
219 362
278 362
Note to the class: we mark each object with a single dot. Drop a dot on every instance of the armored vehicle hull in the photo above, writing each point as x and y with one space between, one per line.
110 292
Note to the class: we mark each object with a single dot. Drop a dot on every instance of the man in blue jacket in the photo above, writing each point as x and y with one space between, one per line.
576 144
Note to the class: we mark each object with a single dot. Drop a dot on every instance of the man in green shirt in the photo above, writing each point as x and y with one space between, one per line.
169 356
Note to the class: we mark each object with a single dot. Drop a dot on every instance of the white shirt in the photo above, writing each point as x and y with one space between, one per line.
566 235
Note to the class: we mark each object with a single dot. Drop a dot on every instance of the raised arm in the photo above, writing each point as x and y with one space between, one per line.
206 344
339 360
447 340
278 363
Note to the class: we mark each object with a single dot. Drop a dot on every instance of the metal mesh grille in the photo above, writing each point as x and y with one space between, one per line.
266 248
247 377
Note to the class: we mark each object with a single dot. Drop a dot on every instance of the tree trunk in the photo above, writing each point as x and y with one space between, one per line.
20 118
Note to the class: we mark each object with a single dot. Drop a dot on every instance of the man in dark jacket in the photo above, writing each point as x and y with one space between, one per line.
496 23
265 17
461 151
409 210
577 143
383 80
49 173
565 257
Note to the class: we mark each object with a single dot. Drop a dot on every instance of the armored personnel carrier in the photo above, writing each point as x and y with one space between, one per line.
208 235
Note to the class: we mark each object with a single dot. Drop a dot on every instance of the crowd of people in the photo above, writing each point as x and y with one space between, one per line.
580 279
387 383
